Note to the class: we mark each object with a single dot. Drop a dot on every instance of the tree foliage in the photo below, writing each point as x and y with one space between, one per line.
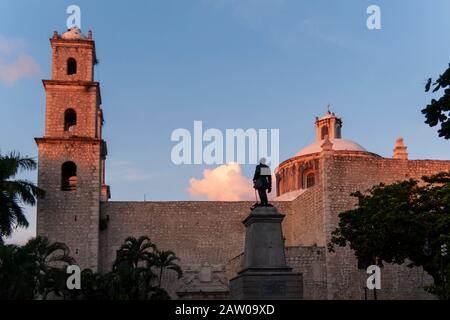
406 221
165 260
438 111
134 251
34 270
37 270
133 276
15 193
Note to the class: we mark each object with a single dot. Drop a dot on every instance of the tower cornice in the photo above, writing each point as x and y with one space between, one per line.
79 83
72 42
71 83
67 139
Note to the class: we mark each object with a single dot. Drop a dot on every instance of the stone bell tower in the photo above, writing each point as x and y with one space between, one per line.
71 152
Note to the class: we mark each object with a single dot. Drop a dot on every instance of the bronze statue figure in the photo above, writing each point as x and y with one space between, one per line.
262 181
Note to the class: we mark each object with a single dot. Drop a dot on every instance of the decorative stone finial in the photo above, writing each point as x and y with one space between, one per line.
90 34
327 145
55 34
400 150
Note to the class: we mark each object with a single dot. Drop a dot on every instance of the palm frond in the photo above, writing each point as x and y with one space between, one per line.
11 215
25 190
177 269
13 162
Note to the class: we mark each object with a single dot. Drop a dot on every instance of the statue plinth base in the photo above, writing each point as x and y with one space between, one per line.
267 286
265 274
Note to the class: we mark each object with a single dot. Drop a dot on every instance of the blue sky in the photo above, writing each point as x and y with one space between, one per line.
231 64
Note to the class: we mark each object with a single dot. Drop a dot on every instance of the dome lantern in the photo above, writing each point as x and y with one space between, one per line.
328 125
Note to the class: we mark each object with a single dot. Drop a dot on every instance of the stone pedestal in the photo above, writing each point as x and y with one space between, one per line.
265 274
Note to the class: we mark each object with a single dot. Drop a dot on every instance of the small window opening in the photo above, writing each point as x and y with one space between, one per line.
310 180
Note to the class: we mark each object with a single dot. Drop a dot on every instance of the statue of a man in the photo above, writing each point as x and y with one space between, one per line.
262 181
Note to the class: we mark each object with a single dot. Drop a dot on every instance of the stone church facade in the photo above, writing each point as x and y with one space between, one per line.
312 188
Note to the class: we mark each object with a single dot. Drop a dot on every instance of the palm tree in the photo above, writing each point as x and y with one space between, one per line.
31 270
49 259
92 286
13 193
130 278
16 274
48 254
165 260
129 284
134 251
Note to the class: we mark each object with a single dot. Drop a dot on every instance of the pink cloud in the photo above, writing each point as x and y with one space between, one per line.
14 63
23 67
224 183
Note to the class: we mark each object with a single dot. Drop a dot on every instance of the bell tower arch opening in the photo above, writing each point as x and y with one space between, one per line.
71 66
70 119
69 176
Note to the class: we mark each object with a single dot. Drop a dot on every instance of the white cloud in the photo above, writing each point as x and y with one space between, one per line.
14 64
224 183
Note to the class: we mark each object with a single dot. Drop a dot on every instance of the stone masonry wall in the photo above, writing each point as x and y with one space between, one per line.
343 175
71 217
82 99
310 262
307 219
197 231
83 51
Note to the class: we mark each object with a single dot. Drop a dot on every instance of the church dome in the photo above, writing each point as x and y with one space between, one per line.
329 125
303 170
338 145
73 34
